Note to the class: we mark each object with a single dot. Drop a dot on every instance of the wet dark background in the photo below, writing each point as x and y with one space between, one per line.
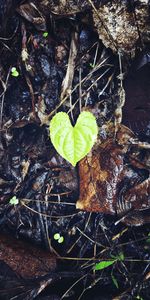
45 184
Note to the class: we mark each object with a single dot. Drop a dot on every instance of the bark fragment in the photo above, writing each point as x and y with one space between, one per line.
24 259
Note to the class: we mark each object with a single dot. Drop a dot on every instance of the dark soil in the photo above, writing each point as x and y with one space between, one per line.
45 184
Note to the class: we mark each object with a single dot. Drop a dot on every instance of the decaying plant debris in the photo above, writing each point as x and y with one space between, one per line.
24 259
48 187
106 177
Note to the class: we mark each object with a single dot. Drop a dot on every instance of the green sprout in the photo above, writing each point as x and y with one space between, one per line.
103 264
92 65
114 280
45 34
119 257
14 72
139 297
106 263
58 238
14 200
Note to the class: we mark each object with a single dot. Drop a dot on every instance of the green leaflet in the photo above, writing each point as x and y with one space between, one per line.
14 200
73 143
58 238
14 72
104 264
115 282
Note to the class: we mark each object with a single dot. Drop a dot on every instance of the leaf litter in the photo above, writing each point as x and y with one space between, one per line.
47 186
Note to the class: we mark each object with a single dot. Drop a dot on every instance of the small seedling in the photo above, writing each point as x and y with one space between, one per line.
14 72
119 257
139 297
45 34
92 65
114 280
104 264
14 200
58 238
73 143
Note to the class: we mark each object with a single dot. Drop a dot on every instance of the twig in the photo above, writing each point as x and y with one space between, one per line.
3 98
67 82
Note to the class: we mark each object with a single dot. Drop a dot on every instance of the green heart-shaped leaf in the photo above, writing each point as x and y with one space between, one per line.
73 143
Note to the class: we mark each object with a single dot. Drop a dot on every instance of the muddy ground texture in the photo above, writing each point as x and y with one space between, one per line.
33 265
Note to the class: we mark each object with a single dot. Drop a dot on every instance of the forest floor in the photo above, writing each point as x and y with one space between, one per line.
43 186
